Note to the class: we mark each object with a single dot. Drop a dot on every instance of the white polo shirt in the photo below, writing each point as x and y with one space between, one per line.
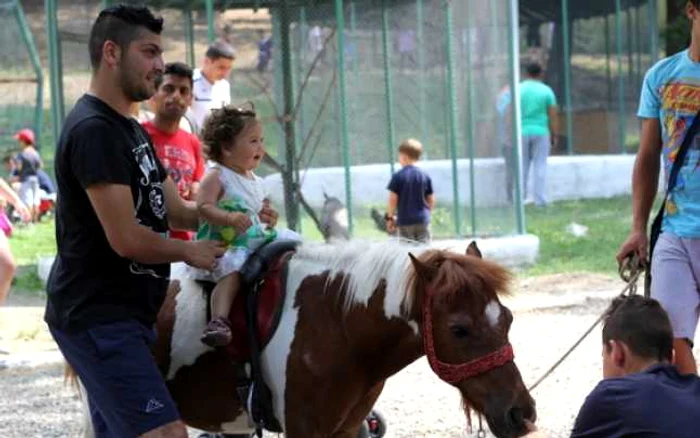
208 96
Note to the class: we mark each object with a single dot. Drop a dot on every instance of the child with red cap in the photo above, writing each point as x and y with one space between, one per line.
29 162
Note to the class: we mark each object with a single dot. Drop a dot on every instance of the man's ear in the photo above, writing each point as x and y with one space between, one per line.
619 353
111 53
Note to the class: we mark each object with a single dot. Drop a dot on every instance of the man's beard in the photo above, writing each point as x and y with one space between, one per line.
134 91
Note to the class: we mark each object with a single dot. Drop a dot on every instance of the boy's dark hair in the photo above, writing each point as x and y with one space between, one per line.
220 49
533 69
411 148
122 24
222 127
8 159
642 325
179 69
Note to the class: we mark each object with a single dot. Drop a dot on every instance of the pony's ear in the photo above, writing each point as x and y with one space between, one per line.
422 270
473 250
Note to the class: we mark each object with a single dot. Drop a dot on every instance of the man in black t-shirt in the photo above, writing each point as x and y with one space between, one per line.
115 205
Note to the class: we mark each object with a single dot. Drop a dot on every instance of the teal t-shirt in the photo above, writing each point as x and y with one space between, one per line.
535 100
671 93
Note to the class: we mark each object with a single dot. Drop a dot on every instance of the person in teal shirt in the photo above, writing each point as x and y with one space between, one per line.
538 107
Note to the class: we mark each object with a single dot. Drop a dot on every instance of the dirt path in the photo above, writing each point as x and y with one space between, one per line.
550 313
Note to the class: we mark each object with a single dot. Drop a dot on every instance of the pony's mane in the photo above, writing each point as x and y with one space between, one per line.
363 266
453 272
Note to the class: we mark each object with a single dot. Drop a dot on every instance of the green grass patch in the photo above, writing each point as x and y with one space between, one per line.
608 222
28 243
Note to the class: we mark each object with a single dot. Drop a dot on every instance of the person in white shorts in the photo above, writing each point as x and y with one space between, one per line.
211 89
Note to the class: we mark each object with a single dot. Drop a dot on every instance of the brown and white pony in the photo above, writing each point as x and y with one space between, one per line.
354 315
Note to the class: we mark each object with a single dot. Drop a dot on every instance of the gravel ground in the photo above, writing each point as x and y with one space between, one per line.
548 319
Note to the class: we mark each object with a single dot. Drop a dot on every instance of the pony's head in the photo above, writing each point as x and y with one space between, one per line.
465 334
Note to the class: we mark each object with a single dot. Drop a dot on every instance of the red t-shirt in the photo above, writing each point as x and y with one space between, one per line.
181 155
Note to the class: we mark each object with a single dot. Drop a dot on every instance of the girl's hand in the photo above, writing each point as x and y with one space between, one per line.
23 211
268 215
240 222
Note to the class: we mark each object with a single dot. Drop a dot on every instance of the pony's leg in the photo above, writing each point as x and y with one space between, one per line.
359 412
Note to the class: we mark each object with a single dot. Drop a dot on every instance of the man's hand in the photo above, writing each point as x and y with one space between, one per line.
637 243
268 215
204 253
240 222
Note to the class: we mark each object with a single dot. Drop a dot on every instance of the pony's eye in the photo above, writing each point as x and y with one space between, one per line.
459 331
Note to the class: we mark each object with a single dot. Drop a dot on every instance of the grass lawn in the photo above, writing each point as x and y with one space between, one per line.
608 222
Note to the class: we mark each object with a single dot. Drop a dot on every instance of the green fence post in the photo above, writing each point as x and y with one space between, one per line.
608 54
291 206
567 76
34 55
514 51
653 9
622 116
55 75
452 111
211 31
471 122
388 94
189 32
355 76
421 77
340 22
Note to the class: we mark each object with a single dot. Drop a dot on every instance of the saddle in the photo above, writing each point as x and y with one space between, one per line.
254 317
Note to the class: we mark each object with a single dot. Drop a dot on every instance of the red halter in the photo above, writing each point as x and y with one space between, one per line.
452 373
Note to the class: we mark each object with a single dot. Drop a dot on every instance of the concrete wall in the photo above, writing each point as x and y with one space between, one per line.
577 177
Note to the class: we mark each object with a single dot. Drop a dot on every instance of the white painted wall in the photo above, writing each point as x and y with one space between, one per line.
578 177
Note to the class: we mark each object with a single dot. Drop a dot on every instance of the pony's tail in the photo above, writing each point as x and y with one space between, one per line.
70 378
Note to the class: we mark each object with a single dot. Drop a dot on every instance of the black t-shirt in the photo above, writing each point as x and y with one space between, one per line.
412 186
90 284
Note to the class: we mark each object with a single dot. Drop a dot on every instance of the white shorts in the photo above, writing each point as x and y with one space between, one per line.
29 192
675 270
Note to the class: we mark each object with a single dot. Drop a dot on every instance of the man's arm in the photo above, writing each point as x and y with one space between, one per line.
645 177
182 214
645 182
114 207
553 114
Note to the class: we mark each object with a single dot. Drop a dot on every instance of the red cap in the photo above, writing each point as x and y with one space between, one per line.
26 136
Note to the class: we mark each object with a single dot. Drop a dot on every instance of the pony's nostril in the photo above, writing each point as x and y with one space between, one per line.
516 417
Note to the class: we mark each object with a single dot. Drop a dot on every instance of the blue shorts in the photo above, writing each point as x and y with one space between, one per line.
126 392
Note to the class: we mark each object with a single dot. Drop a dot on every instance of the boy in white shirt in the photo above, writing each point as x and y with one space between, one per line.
211 89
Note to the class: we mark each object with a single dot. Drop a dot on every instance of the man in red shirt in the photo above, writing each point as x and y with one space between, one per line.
179 151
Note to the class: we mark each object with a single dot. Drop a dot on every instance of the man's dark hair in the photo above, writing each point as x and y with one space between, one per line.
642 325
695 3
121 24
220 49
179 69
533 69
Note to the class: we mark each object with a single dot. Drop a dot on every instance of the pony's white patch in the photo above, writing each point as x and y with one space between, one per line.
364 265
190 321
493 312
275 357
